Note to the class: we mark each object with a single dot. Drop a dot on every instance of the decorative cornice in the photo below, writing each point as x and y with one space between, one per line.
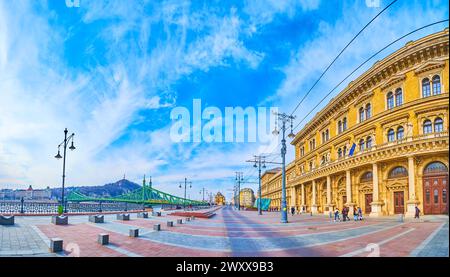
429 66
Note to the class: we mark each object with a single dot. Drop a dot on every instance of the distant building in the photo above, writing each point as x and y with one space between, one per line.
247 197
26 194
219 199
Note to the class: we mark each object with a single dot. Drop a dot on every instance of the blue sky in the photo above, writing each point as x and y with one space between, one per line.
112 71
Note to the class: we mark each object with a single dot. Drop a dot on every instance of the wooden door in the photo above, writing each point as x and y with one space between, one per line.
368 200
399 206
344 200
435 189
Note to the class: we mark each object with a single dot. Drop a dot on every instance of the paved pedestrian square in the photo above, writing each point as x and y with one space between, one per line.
231 233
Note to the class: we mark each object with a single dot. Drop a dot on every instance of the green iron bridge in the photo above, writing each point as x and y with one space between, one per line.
143 195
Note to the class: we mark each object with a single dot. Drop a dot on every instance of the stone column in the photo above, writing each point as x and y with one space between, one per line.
303 197
411 202
293 197
348 189
313 200
376 203
329 205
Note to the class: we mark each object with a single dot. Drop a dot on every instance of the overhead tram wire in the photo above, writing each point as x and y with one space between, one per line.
362 64
334 60
340 53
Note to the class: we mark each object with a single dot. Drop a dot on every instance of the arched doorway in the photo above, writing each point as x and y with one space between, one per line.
435 188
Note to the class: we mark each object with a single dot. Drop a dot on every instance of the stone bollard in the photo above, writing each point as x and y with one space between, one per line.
179 221
134 233
97 218
123 217
157 227
103 239
60 220
400 218
142 215
6 220
56 245
169 223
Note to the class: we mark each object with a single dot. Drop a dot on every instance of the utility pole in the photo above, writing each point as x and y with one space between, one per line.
284 118
260 162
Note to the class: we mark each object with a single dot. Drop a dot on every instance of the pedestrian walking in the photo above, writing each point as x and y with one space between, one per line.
360 215
336 215
417 213
344 214
292 210
355 214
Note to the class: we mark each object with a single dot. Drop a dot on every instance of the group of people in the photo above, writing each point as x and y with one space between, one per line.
357 214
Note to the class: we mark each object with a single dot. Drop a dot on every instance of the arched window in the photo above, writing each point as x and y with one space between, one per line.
368 111
436 85
400 133
391 135
339 153
361 145
427 127
344 124
398 172
361 114
438 125
366 177
339 127
435 167
369 142
390 100
398 97
327 135
426 87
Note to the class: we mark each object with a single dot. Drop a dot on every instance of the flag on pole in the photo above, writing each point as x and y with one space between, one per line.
352 150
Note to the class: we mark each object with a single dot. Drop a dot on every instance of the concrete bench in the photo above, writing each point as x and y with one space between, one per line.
123 217
60 220
169 223
179 221
56 245
6 220
134 233
142 215
157 227
97 218
103 239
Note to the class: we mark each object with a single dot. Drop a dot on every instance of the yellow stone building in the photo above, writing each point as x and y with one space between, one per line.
219 199
381 144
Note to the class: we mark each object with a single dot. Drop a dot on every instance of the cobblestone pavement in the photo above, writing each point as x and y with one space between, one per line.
232 233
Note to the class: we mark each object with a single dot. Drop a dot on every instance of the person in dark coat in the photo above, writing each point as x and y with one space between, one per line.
292 210
417 213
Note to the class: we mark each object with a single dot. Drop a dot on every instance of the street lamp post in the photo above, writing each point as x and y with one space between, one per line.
203 190
58 156
185 185
260 162
239 179
284 118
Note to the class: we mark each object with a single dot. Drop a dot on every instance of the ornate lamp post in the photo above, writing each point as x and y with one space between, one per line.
284 118
185 185
58 156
